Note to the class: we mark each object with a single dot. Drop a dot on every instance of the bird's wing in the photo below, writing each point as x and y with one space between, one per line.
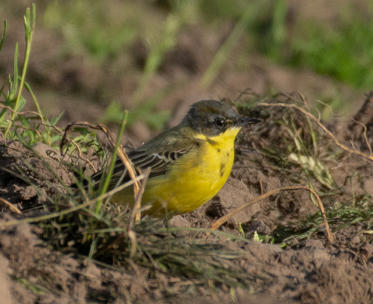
157 155
158 162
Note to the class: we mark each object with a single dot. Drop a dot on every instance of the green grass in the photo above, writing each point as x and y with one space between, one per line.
88 27
342 50
99 33
13 122
32 127
357 212
344 53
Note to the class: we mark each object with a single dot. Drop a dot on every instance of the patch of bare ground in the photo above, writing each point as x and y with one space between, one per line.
301 266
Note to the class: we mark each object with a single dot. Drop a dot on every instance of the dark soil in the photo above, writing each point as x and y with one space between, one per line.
308 270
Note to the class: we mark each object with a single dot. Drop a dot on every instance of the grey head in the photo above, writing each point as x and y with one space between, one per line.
213 117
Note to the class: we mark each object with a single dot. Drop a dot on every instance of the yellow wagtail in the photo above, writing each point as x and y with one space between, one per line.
188 163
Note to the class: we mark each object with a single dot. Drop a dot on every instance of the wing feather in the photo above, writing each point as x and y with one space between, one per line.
158 162
158 155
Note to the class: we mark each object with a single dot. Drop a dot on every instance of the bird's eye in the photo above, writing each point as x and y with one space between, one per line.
219 122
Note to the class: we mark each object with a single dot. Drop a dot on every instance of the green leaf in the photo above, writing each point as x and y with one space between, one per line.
56 119
14 86
3 36
113 113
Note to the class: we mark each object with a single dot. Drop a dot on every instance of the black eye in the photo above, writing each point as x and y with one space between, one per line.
219 122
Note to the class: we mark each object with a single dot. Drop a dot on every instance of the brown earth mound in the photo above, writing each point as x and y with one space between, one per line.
301 266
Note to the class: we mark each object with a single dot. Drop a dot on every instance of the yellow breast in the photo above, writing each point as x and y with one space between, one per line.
194 178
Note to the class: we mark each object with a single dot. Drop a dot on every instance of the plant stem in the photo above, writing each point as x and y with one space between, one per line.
113 160
29 29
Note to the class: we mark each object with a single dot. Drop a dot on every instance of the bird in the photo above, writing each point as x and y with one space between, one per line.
188 163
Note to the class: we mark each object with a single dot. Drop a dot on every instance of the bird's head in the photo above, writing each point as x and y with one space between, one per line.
213 117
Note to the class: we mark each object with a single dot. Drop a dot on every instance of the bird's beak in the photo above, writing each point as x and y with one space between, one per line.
243 121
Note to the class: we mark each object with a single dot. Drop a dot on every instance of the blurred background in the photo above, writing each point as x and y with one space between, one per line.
92 59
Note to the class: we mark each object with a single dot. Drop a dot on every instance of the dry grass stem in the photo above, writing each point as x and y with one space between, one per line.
85 124
120 151
365 136
322 126
226 217
32 115
68 130
132 173
72 209
10 205
82 157
135 212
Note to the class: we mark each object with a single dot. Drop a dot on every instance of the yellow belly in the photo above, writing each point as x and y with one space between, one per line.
193 180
